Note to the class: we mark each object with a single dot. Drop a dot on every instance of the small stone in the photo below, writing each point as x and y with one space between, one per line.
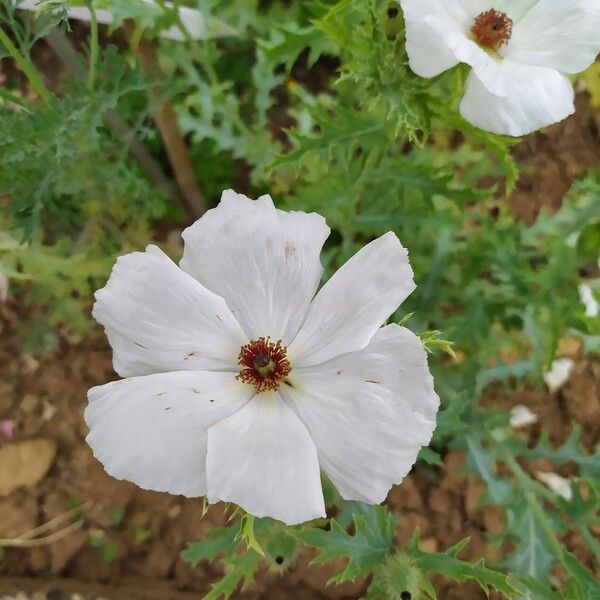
25 463
429 545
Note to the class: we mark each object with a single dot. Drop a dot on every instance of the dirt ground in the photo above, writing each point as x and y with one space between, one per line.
129 543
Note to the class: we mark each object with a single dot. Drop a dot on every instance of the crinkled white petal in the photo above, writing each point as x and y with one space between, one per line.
368 412
521 416
538 98
558 34
263 459
559 373
263 261
152 430
428 53
354 303
158 318
588 299
487 67
559 485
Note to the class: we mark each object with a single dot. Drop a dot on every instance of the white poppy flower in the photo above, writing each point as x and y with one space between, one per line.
559 485
521 416
519 51
588 299
240 386
559 373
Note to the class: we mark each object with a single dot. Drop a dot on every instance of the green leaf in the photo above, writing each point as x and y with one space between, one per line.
482 462
240 571
397 576
219 540
109 552
570 451
247 535
531 557
346 128
447 564
365 549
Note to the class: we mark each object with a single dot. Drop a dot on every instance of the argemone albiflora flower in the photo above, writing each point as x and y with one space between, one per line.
559 373
519 51
240 385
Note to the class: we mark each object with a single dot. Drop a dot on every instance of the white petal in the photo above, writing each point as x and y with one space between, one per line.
559 373
263 459
562 35
538 97
588 299
152 430
368 412
354 303
559 485
514 9
521 416
158 318
263 261
428 53
486 66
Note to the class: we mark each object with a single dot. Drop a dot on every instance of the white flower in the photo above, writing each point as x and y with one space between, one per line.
194 21
586 295
559 373
240 385
521 416
519 51
559 485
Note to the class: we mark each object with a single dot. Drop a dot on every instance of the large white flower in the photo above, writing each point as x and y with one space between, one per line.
240 386
519 51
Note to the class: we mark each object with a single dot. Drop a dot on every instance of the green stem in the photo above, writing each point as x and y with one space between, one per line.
591 541
94 45
540 517
28 68
524 478
538 512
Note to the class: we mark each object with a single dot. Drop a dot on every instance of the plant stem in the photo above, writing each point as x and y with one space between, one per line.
94 45
524 478
28 69
540 517
166 121
590 540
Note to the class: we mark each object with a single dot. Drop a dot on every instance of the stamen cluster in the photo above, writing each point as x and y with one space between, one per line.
492 29
265 364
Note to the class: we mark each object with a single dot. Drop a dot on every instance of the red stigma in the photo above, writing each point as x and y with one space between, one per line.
265 364
492 29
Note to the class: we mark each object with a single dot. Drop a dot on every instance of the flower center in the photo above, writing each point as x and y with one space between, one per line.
492 29
264 364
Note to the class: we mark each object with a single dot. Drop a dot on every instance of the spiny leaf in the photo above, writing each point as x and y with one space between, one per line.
365 549
346 128
570 451
531 557
288 41
447 563
219 540
240 571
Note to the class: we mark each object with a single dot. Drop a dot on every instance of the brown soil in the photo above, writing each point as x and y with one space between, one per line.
46 397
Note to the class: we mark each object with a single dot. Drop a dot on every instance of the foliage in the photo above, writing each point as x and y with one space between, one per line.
315 103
